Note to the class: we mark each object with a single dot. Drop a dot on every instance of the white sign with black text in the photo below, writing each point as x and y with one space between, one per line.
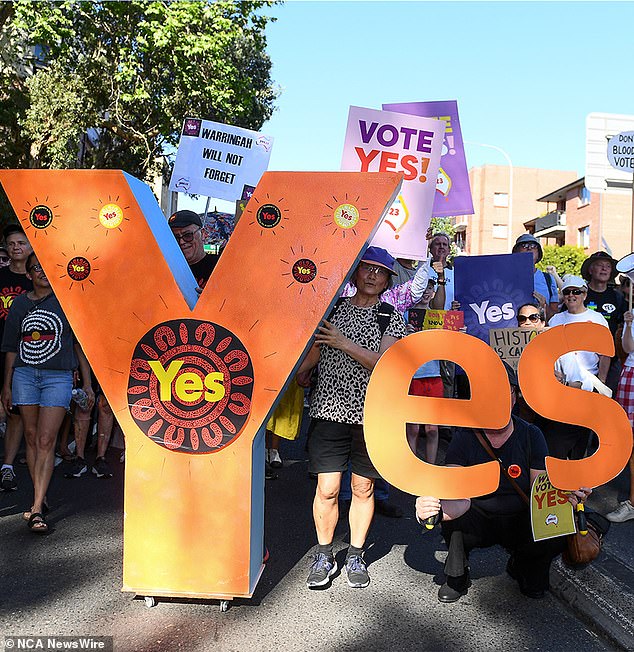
220 161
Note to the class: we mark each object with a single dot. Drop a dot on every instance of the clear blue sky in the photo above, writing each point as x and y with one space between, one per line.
525 74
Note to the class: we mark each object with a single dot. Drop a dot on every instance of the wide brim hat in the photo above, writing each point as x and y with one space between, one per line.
598 255
380 257
527 237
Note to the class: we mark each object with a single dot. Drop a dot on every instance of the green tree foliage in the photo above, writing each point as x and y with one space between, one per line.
443 225
110 82
566 259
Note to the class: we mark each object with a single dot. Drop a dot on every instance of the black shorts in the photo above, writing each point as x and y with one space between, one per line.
331 445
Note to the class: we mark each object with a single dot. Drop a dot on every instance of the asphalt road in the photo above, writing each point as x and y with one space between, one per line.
68 583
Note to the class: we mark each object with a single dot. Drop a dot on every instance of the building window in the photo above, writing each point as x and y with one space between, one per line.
501 199
584 237
499 231
584 197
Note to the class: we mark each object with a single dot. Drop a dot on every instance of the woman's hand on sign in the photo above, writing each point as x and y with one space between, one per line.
628 317
455 305
329 334
426 507
579 496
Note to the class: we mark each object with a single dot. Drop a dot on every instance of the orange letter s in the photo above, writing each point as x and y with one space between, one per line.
555 401
388 407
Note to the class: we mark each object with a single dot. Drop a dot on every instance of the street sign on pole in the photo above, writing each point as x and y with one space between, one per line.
600 176
621 151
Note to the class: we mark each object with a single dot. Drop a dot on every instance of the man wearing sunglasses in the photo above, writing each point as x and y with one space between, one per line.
187 228
13 282
544 285
5 261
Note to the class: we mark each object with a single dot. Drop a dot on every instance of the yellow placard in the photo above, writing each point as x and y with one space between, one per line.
551 512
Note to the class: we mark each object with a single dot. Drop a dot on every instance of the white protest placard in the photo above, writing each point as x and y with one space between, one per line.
621 151
220 161
384 141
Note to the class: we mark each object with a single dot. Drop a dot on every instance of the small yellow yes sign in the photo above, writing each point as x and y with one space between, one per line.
551 512
188 386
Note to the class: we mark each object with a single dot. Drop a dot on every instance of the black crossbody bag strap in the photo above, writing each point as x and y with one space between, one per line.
486 444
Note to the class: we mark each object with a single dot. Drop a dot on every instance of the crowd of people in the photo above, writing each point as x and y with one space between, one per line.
43 363
348 345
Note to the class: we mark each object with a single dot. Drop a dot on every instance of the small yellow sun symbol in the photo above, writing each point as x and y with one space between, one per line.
346 216
110 216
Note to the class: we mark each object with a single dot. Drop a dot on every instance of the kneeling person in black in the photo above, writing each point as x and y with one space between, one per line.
502 517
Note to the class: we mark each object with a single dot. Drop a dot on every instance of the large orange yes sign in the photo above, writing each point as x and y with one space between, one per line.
388 407
192 378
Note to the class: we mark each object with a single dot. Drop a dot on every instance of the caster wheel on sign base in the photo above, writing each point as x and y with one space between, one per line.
224 606
149 601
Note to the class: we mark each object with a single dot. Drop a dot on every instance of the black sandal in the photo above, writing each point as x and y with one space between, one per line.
45 510
37 523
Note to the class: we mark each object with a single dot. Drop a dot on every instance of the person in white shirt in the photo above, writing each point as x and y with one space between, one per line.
570 441
575 291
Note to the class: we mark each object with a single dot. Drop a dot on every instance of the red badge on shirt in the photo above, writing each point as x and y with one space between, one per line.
514 471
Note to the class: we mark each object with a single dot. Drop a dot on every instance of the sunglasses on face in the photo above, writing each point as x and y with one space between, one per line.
4 259
188 236
528 245
373 268
35 268
533 318
575 291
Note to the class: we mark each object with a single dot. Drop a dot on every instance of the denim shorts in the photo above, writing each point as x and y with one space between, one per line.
43 387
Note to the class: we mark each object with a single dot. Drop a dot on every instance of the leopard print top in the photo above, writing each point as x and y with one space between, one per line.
342 381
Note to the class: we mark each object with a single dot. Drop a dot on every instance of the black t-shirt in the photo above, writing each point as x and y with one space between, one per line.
525 448
203 268
11 286
39 333
610 303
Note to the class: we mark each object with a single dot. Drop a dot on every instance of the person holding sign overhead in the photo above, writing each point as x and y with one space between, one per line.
187 228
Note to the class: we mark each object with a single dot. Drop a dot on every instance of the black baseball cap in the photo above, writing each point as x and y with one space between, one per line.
184 218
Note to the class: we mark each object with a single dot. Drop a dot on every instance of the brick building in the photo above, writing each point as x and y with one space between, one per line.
486 231
575 216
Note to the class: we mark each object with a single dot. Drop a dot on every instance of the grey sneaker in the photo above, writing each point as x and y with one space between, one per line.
624 512
7 479
357 572
101 469
77 469
321 570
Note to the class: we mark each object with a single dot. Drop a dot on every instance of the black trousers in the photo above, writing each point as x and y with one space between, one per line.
477 529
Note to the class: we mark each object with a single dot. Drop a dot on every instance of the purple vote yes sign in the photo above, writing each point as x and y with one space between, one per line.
453 192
